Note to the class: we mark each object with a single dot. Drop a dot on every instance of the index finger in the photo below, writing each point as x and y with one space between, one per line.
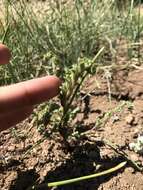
28 93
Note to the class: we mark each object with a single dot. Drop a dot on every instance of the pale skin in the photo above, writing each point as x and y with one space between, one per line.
17 100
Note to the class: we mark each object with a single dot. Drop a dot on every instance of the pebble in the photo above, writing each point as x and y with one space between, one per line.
11 148
134 157
130 119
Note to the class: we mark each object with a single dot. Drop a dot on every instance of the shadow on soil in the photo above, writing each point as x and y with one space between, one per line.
84 161
24 180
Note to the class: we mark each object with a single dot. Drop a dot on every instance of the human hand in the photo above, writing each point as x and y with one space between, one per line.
17 100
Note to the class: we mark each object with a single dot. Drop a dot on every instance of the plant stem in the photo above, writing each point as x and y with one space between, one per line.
123 154
65 182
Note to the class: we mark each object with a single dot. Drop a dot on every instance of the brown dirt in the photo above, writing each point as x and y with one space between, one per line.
50 162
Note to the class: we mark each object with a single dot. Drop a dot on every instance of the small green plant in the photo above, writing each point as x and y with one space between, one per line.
61 117
74 79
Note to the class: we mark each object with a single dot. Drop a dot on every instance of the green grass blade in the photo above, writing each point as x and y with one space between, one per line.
65 182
